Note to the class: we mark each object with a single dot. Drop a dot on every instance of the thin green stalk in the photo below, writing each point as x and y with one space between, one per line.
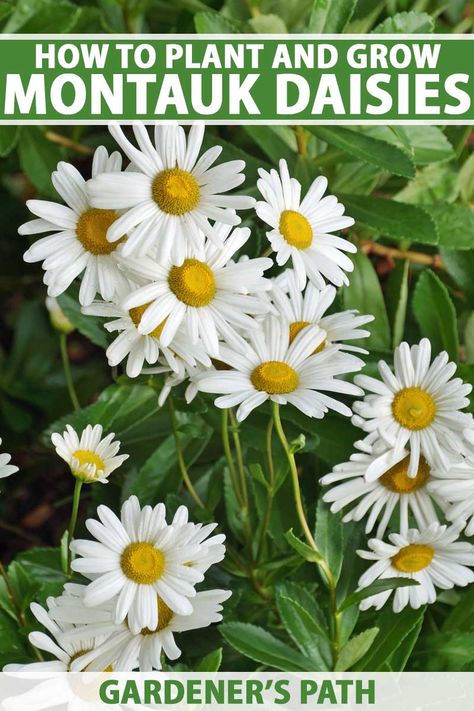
271 485
67 371
239 457
16 606
73 521
179 454
228 456
331 583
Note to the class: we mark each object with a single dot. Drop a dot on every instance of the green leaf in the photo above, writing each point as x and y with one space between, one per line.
376 587
466 179
261 646
460 267
384 155
455 225
92 327
397 299
271 143
8 139
355 649
211 662
393 219
429 144
330 16
42 16
38 158
268 25
434 184
328 537
469 338
402 654
435 314
406 23
365 294
394 628
304 629
303 549
213 23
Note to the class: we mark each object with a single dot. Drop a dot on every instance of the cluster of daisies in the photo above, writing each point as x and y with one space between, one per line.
160 252
141 575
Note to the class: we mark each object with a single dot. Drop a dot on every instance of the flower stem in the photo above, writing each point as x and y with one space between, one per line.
270 491
179 454
67 371
228 456
73 521
323 564
240 459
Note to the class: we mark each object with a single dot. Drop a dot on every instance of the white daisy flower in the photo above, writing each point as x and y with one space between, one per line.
301 229
6 469
136 558
417 404
380 498
140 349
273 369
308 308
89 457
173 195
65 651
78 241
433 557
456 486
202 293
124 650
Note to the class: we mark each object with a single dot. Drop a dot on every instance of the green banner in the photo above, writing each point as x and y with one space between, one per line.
241 78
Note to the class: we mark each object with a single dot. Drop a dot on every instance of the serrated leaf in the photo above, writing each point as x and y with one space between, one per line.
42 16
394 628
330 16
455 225
261 646
435 314
376 587
384 155
460 266
405 23
305 631
355 649
393 219
365 294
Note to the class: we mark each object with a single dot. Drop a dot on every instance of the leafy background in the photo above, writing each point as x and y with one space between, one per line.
411 190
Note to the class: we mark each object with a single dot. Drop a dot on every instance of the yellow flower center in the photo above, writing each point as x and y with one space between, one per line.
136 315
192 283
274 377
143 563
176 191
413 558
85 458
296 229
414 408
91 231
165 615
296 327
396 478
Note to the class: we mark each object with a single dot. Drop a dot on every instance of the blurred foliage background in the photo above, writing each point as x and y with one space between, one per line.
411 190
